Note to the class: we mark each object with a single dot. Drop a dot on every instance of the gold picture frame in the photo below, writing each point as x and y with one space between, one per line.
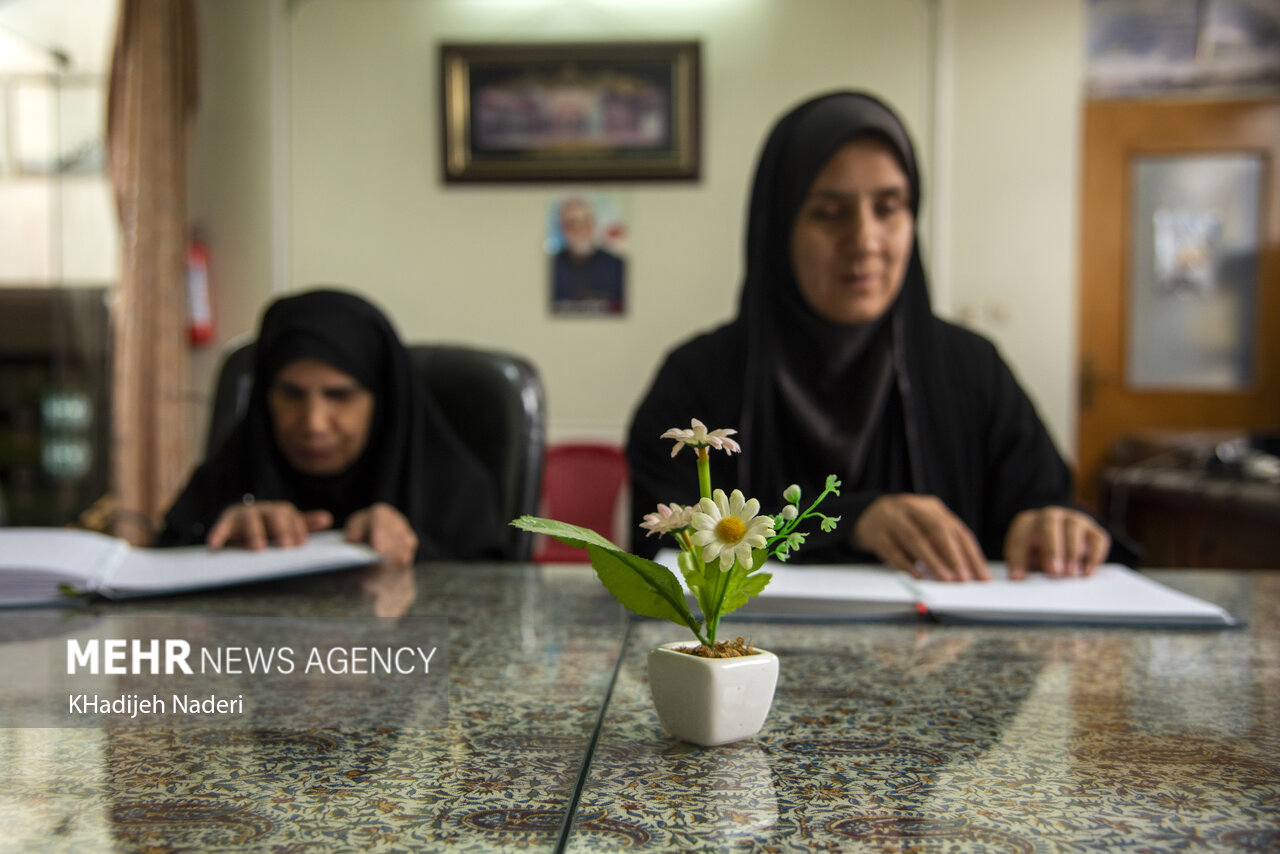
622 111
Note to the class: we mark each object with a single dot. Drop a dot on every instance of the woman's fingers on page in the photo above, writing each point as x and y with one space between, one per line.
250 529
220 531
275 526
318 520
391 535
899 560
1019 544
1096 545
878 531
1053 539
357 527
917 543
1074 542
1058 540
903 528
387 532
279 523
919 534
957 550
256 526
978 569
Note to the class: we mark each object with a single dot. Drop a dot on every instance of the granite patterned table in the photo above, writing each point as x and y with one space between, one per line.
883 737
896 737
531 656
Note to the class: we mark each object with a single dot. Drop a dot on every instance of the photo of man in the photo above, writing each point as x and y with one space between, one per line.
587 275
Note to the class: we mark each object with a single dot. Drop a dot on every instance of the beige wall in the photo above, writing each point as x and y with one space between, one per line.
1013 190
318 161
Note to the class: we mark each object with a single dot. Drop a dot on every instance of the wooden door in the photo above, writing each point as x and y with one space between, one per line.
1120 138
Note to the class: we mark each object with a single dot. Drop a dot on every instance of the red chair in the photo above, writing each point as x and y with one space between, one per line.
582 483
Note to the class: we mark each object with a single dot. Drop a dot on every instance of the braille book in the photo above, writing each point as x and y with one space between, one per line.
48 565
1113 595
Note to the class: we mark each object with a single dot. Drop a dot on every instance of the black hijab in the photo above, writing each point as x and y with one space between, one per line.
868 401
903 403
412 459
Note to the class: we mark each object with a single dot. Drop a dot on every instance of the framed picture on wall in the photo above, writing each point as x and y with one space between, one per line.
627 111
586 244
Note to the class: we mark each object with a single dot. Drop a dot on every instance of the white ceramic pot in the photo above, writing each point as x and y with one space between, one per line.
711 701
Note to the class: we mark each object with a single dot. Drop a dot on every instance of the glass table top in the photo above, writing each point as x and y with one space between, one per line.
884 736
531 655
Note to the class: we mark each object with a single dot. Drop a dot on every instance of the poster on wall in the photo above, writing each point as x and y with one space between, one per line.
586 247
1194 271
1152 47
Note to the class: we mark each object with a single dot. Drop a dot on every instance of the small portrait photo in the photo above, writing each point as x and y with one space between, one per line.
586 243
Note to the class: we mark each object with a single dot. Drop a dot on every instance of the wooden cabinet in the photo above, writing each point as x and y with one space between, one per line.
1188 509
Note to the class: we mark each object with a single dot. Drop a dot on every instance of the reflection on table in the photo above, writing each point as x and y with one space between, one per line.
531 653
893 737
883 736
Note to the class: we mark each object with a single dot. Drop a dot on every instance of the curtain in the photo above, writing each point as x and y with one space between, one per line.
151 101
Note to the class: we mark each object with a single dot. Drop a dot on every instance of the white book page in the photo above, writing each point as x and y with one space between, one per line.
833 591
35 563
1112 594
147 571
67 551
822 591
851 583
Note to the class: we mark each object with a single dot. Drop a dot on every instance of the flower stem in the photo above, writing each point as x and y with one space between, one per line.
704 473
722 588
685 542
711 607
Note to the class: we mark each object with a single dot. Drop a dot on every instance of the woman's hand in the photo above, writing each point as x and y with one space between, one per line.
919 535
385 529
1055 540
256 525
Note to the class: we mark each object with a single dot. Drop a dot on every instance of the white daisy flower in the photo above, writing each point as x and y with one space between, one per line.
699 436
729 528
670 517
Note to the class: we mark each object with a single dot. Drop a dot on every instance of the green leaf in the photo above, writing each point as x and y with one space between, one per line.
691 571
572 535
702 580
742 587
742 583
646 588
642 586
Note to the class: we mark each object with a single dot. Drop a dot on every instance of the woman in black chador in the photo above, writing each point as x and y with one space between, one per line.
339 432
837 364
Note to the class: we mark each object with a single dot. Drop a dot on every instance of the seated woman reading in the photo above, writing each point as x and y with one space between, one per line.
339 432
837 364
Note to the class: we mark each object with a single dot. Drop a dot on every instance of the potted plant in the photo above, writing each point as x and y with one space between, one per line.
707 691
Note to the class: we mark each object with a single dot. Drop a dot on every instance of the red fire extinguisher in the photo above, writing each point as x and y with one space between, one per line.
199 297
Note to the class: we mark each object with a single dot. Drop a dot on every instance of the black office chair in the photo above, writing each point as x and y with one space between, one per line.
493 400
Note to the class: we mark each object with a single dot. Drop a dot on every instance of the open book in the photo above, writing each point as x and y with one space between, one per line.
1113 595
45 565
